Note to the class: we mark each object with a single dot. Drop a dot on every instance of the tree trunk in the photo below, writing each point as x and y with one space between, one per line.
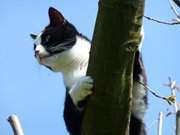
115 41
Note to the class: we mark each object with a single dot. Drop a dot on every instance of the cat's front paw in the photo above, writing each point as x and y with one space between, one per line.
81 89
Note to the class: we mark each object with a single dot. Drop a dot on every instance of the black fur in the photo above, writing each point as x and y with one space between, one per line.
137 127
72 116
58 35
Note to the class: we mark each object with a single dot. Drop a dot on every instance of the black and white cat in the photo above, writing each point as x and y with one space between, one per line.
61 48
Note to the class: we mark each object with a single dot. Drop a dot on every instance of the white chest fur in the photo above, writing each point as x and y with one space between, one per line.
72 63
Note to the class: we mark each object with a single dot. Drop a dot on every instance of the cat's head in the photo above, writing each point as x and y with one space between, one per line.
56 38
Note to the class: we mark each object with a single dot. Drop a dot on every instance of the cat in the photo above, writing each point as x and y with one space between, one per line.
61 48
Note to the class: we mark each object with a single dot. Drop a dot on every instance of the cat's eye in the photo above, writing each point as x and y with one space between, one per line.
34 46
47 38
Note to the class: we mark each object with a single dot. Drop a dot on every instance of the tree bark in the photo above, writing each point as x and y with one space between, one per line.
115 41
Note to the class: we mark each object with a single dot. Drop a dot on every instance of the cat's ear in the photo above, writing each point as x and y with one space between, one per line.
55 17
33 36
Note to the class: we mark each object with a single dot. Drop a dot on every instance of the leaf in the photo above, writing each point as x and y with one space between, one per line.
170 99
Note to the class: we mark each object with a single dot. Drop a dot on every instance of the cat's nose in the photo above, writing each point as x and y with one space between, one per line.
39 54
40 51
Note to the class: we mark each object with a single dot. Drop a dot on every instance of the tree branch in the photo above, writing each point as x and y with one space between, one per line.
15 124
160 123
173 8
175 22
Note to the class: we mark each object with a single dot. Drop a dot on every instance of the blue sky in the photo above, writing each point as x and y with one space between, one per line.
36 94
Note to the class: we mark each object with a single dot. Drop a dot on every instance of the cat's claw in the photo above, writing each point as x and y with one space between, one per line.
81 89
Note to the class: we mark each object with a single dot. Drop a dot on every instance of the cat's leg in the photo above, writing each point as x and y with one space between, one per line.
81 89
72 116
72 111
137 126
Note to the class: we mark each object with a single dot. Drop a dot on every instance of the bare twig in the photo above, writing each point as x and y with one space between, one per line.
169 99
170 113
173 93
174 8
173 22
173 87
160 123
15 124
172 84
